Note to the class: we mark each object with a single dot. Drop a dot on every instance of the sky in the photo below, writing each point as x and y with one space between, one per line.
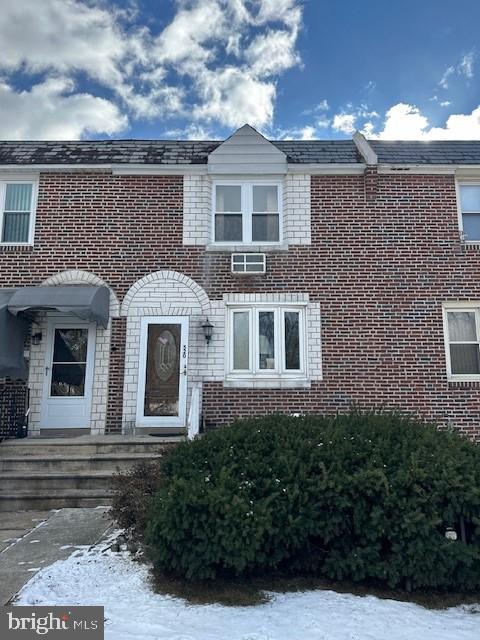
199 69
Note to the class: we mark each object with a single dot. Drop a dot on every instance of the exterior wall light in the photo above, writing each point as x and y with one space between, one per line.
207 327
36 338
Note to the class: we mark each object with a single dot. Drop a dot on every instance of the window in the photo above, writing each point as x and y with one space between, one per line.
266 342
17 211
469 195
462 342
247 213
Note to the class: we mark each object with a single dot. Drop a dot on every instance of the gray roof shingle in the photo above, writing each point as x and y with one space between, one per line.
432 152
161 152
196 152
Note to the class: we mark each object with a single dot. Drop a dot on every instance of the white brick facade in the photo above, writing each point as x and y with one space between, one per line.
197 209
38 363
296 209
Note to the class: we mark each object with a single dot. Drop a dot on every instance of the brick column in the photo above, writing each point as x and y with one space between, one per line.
116 375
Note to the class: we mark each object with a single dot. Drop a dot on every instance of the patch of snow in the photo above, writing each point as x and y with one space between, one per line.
134 612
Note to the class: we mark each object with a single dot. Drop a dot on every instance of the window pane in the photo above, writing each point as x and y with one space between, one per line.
471 226
68 380
228 228
464 358
265 198
228 198
470 197
18 197
292 340
70 345
241 341
266 329
265 228
461 326
15 227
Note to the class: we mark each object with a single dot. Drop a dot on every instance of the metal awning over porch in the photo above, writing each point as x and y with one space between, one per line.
85 302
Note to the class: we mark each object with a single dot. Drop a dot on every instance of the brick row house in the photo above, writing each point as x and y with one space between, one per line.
146 285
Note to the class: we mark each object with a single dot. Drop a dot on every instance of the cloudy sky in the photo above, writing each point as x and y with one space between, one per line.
84 69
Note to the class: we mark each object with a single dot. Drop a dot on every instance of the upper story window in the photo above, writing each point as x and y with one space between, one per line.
17 210
462 341
247 213
470 211
266 342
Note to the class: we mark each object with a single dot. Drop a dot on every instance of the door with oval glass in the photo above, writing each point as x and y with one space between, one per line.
162 375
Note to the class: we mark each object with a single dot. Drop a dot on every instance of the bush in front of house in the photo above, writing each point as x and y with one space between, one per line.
352 497
132 494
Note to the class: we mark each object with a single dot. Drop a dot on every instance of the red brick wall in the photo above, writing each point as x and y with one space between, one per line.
115 376
383 258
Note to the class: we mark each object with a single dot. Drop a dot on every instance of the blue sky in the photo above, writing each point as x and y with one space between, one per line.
83 69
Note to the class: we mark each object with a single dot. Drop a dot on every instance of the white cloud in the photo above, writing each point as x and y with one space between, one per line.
50 110
463 68
63 36
232 96
179 72
344 123
272 52
406 122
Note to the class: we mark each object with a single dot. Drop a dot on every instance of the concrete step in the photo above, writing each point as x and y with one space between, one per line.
11 483
86 445
111 462
38 500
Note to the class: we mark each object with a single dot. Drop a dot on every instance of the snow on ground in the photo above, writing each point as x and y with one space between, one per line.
134 612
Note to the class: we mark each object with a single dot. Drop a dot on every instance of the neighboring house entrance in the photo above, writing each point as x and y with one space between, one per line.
69 361
162 379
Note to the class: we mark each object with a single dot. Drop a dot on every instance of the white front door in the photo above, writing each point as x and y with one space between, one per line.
68 376
162 373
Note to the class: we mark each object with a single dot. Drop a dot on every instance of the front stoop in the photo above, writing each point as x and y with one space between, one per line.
52 473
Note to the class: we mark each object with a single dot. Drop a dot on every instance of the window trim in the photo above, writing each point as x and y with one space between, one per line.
247 212
22 179
458 184
465 307
279 373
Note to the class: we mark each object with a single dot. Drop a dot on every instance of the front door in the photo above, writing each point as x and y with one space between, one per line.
162 374
68 378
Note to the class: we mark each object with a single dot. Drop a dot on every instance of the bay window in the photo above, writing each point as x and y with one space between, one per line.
17 199
266 342
462 342
247 213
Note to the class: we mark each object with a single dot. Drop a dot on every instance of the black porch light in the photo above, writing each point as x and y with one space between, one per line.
207 327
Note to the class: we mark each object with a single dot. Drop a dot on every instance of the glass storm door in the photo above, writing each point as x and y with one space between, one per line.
162 379
68 375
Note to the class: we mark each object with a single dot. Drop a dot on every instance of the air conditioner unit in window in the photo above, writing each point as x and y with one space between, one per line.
248 263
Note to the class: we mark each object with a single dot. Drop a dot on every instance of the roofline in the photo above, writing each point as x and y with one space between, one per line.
330 168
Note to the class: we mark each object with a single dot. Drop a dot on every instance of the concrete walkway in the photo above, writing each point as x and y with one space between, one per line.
54 537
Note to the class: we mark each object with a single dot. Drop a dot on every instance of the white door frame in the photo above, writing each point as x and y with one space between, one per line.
61 421
162 421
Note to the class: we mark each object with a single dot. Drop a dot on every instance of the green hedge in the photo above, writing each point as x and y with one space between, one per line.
353 497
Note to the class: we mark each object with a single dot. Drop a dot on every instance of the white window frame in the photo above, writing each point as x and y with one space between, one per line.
458 184
279 372
22 179
459 307
247 211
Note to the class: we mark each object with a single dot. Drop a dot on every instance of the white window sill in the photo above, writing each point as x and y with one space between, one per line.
471 378
242 248
16 244
267 383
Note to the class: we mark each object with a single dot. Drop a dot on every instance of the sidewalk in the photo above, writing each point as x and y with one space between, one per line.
51 539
